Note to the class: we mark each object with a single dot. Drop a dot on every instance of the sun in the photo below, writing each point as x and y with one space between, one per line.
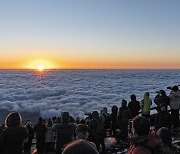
41 65
40 68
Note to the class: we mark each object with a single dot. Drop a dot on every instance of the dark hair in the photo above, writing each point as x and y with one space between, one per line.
133 97
141 125
80 147
162 92
13 119
82 121
65 118
114 109
124 102
175 88
95 114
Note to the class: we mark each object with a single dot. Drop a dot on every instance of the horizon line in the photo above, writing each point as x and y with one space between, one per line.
90 69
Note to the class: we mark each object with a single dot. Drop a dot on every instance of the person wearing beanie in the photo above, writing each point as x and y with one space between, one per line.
12 138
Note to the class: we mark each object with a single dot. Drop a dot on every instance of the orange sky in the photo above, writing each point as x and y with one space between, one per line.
90 34
63 61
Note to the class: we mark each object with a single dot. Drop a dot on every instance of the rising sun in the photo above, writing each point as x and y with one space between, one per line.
40 67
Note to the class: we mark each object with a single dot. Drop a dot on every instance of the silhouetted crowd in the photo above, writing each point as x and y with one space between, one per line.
143 134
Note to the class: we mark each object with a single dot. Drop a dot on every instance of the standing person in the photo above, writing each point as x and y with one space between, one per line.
145 105
49 137
64 132
123 117
134 106
28 141
105 117
11 139
98 131
40 129
114 120
175 105
161 98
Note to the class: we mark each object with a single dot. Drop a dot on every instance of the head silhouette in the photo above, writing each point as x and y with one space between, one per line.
13 119
80 147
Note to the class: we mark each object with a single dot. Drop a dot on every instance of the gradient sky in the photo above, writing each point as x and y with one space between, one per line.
127 34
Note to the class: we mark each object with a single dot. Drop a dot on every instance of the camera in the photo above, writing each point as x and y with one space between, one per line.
169 87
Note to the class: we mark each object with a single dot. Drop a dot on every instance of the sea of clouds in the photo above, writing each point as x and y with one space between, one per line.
77 91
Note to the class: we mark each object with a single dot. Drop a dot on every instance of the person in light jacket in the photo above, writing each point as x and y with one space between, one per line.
175 105
145 105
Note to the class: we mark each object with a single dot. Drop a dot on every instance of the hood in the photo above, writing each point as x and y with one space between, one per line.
146 95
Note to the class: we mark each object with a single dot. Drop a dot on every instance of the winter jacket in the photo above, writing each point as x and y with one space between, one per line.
161 100
175 100
11 140
40 130
146 104
49 135
144 144
163 119
64 135
123 115
134 107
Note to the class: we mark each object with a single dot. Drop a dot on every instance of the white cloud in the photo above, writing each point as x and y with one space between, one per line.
75 91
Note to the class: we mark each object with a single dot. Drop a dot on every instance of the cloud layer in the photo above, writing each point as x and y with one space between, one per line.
77 91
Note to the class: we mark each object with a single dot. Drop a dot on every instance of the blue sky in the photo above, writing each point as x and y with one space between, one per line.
102 32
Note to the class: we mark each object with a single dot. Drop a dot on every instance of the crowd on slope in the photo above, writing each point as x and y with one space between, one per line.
68 136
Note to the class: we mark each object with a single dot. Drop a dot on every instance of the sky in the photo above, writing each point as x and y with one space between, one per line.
90 34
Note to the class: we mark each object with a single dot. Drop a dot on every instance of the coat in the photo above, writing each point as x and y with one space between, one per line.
175 100
11 140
